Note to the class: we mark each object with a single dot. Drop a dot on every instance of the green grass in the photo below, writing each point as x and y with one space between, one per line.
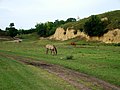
16 76
93 58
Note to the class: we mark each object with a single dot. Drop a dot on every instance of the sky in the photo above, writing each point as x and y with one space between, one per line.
25 14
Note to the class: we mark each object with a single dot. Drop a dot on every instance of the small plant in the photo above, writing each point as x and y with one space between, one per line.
69 57
117 44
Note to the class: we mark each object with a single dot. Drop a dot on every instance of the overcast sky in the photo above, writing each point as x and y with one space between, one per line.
26 13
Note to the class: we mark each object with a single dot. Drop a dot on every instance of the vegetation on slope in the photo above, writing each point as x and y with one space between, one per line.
113 21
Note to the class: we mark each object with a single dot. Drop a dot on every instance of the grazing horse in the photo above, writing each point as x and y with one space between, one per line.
52 48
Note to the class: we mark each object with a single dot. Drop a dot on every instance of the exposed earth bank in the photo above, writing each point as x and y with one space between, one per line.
113 36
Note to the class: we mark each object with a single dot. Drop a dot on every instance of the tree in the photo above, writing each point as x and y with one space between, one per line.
94 26
48 28
71 20
2 32
11 25
28 31
11 31
41 29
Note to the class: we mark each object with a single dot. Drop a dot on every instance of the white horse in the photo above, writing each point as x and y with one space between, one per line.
52 48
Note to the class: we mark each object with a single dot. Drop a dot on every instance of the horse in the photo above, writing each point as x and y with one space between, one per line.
52 48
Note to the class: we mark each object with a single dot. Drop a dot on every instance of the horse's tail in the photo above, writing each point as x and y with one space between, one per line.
55 49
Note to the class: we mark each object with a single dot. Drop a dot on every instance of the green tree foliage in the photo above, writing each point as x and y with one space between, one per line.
58 23
41 29
71 20
94 26
77 25
11 25
11 31
22 31
2 33
48 28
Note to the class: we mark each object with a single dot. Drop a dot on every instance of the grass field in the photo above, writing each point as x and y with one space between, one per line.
17 76
92 58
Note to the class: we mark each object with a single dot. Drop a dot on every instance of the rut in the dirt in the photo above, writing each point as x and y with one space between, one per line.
79 80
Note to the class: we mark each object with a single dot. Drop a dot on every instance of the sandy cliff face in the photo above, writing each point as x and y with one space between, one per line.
62 35
112 36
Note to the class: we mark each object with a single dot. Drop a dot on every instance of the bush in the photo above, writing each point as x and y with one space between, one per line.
69 57
117 44
94 26
12 32
2 33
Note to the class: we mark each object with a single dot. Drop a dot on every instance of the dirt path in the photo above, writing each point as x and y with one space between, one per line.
79 80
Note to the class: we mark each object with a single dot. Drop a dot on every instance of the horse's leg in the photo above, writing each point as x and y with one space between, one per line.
55 50
51 51
47 51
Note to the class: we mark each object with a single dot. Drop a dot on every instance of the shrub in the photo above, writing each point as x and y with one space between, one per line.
69 57
94 26
117 44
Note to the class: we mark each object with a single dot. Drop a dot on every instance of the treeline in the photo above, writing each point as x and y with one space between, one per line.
48 28
2 32
42 29
95 25
22 31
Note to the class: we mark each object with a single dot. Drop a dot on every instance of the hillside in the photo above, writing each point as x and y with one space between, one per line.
76 29
113 18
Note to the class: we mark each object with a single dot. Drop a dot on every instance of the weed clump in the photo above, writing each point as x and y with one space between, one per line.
69 57
118 44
